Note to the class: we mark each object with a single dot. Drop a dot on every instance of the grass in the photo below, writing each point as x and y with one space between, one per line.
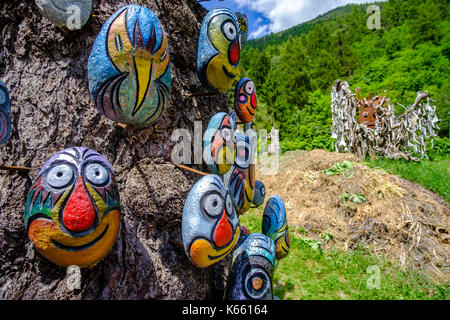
433 175
311 273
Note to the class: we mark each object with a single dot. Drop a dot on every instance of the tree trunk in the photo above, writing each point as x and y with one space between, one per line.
45 70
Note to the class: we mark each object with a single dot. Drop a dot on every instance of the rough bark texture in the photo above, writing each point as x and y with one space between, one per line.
46 72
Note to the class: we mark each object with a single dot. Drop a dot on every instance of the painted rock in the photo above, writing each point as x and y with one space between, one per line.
218 144
260 193
241 178
70 14
252 269
5 113
210 226
243 27
129 67
245 102
72 211
219 50
275 225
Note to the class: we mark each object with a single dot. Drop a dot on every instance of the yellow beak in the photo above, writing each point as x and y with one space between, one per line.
143 75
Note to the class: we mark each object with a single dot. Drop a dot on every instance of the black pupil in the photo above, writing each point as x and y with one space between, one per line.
59 174
97 173
214 203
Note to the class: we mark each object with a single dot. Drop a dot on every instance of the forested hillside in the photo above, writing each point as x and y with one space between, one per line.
410 53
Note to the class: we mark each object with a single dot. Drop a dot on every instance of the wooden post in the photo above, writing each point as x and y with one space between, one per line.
15 168
180 166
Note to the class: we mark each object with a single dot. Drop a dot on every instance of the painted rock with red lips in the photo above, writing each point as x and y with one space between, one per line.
72 211
210 226
245 102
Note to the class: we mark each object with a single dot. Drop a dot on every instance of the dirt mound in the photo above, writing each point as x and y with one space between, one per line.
333 192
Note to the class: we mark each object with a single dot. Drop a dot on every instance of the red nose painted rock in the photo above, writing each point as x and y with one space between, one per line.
79 213
235 53
224 232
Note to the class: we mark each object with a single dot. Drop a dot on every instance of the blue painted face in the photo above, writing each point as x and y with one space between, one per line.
129 67
275 225
210 226
260 193
5 113
219 50
252 269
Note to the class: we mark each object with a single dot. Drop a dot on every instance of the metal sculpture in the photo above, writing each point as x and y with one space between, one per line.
275 225
70 14
219 50
129 67
245 102
218 144
210 226
5 113
252 269
72 211
241 178
379 131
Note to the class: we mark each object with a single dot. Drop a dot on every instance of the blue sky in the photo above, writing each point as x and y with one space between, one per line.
266 16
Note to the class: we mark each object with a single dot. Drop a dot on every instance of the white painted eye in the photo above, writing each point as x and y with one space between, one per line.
229 205
226 135
229 30
60 176
249 87
213 204
96 174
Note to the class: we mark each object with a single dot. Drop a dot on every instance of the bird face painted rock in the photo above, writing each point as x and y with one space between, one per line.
210 226
275 225
245 102
218 144
72 211
219 50
243 26
241 178
5 113
70 14
260 193
252 269
129 67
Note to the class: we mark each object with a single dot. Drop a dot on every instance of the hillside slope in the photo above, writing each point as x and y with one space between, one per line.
390 215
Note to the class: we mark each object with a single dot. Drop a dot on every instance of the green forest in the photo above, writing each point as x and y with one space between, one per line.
295 70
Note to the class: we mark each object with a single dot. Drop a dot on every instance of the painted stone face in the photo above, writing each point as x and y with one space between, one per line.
260 193
275 225
5 113
219 50
210 226
367 117
241 178
245 102
70 14
218 144
72 211
252 269
129 67
243 26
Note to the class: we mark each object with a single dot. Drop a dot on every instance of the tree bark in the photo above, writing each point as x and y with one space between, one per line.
45 70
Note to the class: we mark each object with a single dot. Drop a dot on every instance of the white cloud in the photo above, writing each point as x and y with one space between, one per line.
284 14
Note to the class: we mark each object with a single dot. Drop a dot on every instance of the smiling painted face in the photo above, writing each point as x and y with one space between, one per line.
252 269
72 211
5 113
219 50
129 67
218 144
275 225
210 226
245 102
241 178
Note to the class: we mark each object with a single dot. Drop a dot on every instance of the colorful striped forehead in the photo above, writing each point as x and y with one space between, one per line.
76 156
217 122
275 213
225 14
255 245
